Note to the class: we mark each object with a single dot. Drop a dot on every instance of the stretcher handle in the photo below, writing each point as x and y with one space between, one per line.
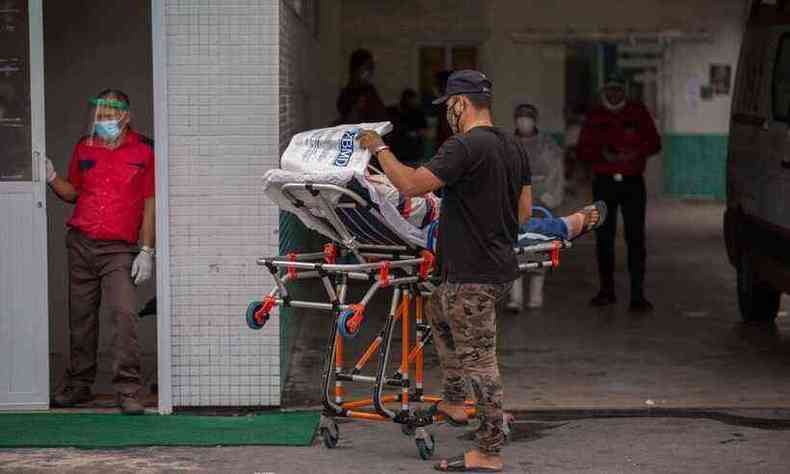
555 254
426 266
384 274
330 254
291 268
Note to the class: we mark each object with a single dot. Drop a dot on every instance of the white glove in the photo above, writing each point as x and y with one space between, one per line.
143 266
51 174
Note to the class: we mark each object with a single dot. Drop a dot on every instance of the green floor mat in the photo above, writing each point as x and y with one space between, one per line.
93 430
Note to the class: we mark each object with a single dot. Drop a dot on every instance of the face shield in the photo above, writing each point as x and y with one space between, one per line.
108 119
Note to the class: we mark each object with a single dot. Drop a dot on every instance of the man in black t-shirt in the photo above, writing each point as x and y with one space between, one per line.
485 176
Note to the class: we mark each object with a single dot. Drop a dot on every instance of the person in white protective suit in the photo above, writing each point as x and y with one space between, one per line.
548 181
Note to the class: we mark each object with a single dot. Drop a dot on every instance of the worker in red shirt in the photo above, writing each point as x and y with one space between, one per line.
111 180
617 139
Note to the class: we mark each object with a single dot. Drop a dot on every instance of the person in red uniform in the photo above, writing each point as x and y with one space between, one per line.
617 139
111 180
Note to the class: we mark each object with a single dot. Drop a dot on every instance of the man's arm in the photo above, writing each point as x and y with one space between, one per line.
62 188
525 205
409 181
148 231
651 141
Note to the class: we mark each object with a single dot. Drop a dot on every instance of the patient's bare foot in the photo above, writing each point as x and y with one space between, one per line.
582 221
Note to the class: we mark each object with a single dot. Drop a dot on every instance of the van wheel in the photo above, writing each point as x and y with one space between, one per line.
758 302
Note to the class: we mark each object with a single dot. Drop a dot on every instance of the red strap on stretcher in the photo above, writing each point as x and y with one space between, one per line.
555 254
354 322
266 307
330 254
427 264
292 269
384 275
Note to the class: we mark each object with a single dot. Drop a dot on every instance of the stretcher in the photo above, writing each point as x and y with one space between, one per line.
369 248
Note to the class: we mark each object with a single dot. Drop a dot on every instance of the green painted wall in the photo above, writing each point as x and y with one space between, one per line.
695 165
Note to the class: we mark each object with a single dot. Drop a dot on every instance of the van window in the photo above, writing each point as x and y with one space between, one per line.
781 81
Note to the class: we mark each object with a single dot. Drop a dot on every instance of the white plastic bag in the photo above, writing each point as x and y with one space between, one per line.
330 149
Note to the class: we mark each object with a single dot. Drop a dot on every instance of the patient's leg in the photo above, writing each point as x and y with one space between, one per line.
571 226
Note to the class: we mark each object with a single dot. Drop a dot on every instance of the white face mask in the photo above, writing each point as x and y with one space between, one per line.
526 125
610 106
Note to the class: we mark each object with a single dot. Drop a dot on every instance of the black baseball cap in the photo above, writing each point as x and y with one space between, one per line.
465 82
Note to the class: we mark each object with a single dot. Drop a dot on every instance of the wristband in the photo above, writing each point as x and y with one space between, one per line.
380 149
149 250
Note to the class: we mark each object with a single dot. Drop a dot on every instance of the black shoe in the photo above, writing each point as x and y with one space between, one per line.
603 298
131 405
70 397
640 305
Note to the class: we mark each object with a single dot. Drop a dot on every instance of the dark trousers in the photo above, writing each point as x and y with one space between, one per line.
630 197
99 275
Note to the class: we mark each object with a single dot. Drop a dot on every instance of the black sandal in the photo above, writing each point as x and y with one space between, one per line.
458 464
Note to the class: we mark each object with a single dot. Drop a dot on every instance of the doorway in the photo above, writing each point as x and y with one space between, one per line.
90 46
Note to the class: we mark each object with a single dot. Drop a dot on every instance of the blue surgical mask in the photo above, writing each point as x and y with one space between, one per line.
108 129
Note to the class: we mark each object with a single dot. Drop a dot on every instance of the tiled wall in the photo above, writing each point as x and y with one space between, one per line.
222 80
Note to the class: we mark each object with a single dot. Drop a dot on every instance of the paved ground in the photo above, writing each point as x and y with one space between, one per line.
692 351
631 445
692 361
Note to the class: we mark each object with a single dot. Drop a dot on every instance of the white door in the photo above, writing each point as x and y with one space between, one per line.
24 345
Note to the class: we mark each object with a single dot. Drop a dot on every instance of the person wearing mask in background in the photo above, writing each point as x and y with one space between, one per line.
410 130
359 101
617 139
548 184
111 181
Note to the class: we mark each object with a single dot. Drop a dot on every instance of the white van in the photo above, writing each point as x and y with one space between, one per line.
757 220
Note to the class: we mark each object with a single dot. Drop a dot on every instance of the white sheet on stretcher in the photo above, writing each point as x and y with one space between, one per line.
273 181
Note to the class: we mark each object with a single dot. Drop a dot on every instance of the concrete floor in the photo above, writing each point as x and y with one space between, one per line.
693 351
629 445
594 391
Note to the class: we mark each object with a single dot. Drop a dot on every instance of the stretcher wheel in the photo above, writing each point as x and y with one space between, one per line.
426 446
253 308
342 325
330 434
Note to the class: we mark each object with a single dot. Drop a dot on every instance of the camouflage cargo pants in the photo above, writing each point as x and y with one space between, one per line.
463 317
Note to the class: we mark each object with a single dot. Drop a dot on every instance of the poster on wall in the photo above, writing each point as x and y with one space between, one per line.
720 78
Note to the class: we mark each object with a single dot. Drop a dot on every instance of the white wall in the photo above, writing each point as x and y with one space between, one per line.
222 82
690 67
